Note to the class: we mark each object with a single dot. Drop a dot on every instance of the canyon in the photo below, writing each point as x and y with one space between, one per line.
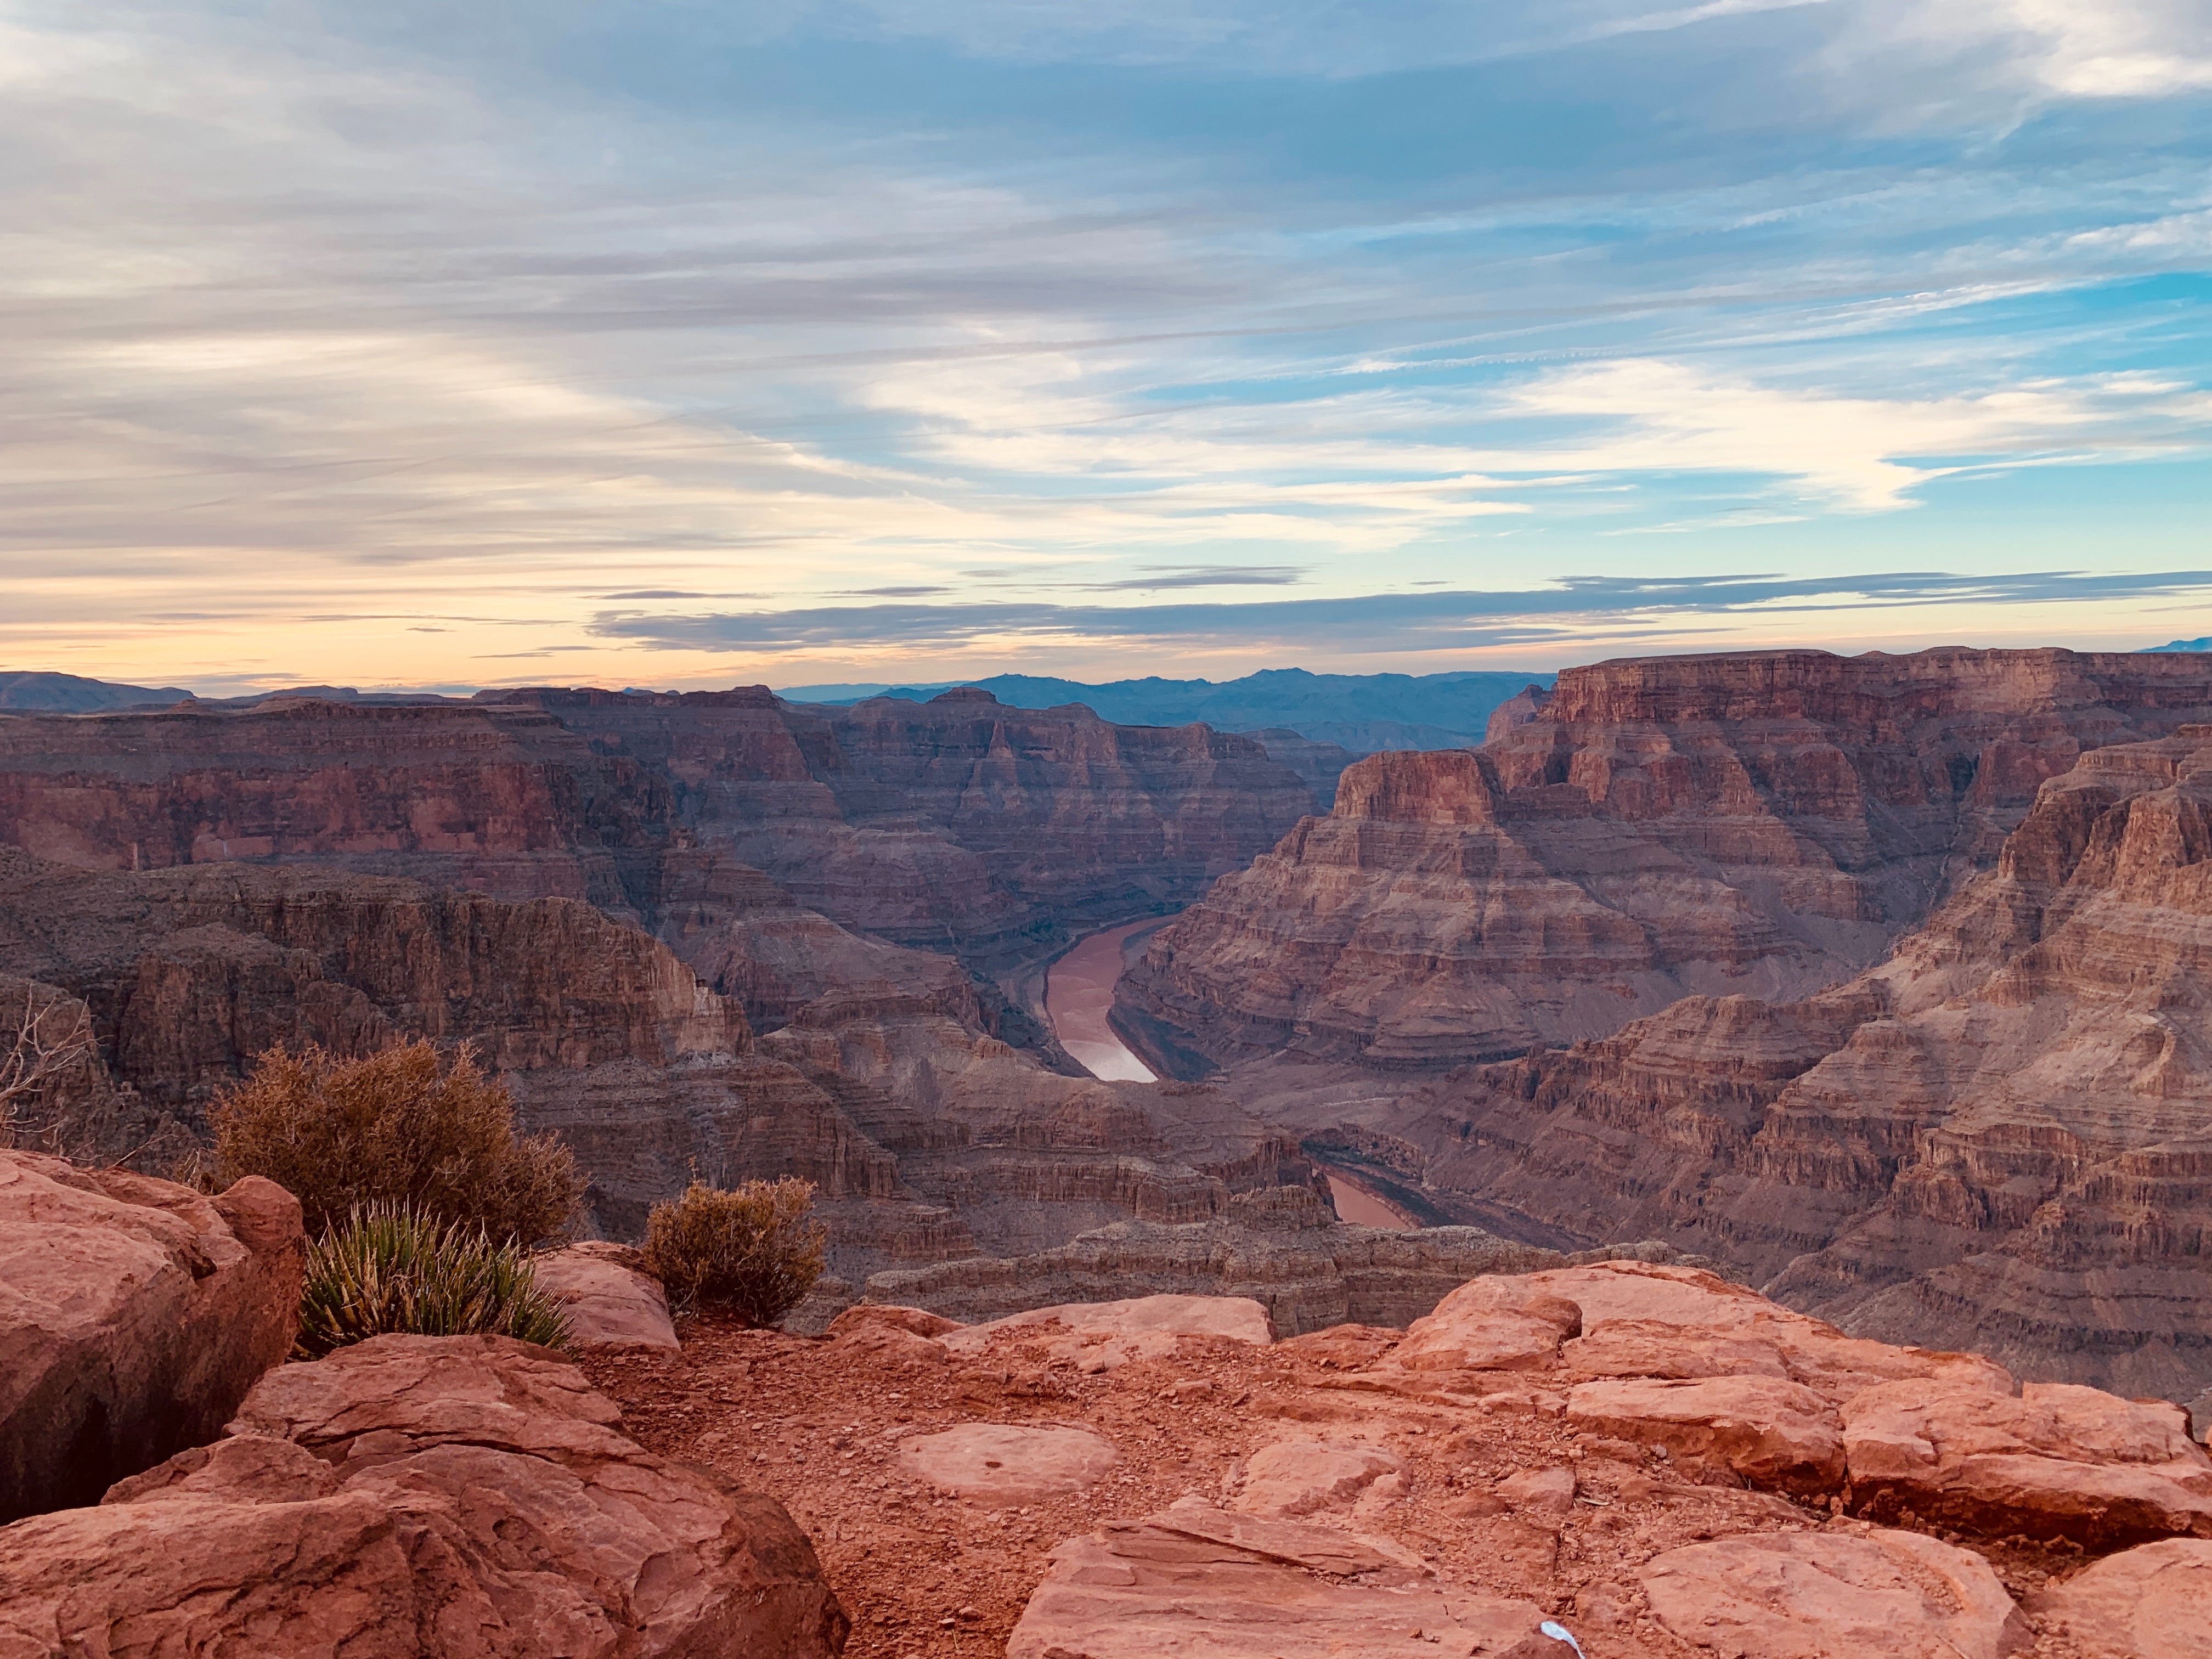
1723 1168
1873 981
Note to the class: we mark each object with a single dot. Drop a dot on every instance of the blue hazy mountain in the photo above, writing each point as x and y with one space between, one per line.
69 694
2204 644
1361 712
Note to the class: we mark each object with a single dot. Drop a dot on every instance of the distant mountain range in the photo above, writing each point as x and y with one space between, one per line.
1361 713
2204 644
68 693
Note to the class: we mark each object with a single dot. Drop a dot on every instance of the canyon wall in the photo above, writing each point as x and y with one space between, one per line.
1998 1139
927 1137
992 833
1762 824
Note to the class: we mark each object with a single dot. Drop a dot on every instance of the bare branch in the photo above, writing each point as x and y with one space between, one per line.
49 1038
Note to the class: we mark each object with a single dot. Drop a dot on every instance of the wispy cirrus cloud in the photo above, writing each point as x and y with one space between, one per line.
1407 621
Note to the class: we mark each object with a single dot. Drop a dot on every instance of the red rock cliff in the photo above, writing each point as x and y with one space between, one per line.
1761 824
1999 1139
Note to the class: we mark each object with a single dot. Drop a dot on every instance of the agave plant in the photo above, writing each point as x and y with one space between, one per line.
391 1269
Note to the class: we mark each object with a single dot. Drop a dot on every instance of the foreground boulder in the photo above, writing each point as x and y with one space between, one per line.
1803 1596
610 1300
135 1313
2153 1601
451 1497
1197 1580
2057 1461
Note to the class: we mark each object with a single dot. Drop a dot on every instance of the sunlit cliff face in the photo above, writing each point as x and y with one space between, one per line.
706 346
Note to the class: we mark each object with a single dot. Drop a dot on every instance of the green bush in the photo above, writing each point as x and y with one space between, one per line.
400 1127
756 1251
389 1269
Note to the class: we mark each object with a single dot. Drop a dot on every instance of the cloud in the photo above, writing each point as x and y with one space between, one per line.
2110 49
1860 454
1206 576
311 335
1413 622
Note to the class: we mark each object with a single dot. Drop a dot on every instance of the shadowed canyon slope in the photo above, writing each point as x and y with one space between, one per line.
1764 824
957 825
927 1137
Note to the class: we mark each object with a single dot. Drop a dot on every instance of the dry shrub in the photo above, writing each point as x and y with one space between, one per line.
389 1269
757 1251
400 1127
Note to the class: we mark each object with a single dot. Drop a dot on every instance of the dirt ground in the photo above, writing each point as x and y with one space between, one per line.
816 1423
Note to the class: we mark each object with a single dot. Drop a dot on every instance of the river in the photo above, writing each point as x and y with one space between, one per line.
1078 992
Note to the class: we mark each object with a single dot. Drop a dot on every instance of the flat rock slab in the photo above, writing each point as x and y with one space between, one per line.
2056 1460
1001 1465
1829 1595
2153 1601
419 1497
1196 1583
135 1313
1771 1431
612 1300
1097 1336
1298 1477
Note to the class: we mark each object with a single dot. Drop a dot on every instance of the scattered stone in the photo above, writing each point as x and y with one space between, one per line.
1298 1477
1825 1596
1002 1465
135 1313
612 1302
2153 1601
1540 1491
451 1497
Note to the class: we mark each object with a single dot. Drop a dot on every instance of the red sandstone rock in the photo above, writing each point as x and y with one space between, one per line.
1298 1477
612 1300
854 1323
2153 1601
1001 1465
1773 1432
2059 1461
448 1498
1195 1581
135 1313
1506 1324
1801 1596
1096 1336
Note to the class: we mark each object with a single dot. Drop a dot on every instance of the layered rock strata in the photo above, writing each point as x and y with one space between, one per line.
453 1498
1761 824
1999 1139
927 1138
958 824
961 824
135 1315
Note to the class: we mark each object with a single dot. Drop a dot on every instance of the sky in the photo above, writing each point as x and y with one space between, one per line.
684 343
